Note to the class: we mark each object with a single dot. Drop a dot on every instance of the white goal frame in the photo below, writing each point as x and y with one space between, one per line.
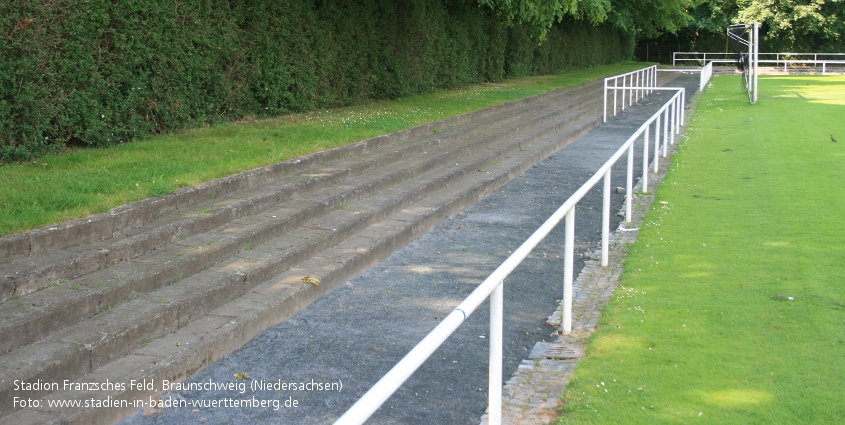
753 43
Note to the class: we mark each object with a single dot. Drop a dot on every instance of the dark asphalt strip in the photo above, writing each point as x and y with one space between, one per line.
354 335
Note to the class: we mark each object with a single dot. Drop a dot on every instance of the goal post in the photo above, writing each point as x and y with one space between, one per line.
745 40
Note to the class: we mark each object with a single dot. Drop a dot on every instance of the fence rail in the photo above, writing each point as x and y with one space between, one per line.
644 79
782 59
671 114
706 74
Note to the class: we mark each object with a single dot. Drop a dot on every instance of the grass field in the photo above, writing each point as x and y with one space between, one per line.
84 182
731 308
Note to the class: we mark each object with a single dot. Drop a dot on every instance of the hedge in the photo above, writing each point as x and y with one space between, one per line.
102 72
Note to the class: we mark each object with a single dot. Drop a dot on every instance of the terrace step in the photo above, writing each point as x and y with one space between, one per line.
27 275
80 298
180 353
254 246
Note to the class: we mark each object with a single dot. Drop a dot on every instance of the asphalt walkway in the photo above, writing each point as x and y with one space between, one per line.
339 346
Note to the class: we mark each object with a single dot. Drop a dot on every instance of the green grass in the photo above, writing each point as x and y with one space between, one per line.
731 307
84 182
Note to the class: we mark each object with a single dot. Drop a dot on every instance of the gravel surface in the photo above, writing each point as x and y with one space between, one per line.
354 335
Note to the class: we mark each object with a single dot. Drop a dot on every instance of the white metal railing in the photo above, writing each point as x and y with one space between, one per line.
643 79
782 59
706 73
672 116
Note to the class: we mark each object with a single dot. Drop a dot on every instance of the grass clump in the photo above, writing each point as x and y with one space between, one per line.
88 181
731 307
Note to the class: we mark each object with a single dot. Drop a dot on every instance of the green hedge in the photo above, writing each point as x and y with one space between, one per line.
100 72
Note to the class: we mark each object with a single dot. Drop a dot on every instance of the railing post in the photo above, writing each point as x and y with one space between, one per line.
605 220
615 93
651 72
639 92
568 257
683 110
624 87
657 143
629 183
666 123
645 160
654 77
665 142
605 101
631 93
674 119
494 409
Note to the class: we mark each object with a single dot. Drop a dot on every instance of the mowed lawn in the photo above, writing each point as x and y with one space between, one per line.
731 308
82 182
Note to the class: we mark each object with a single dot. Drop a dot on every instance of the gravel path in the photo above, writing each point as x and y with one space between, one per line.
355 334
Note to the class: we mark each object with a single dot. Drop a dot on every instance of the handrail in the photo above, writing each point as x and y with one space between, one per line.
779 59
646 77
672 116
706 73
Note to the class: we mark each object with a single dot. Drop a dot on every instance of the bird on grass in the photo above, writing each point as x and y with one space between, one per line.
832 139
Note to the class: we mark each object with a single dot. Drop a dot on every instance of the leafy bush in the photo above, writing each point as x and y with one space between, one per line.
103 72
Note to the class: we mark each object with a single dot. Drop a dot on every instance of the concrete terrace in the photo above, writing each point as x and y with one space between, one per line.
163 288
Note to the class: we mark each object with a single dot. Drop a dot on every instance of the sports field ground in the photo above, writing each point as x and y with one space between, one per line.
731 309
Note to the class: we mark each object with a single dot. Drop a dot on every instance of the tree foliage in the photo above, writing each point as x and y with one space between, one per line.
642 17
101 72
796 25
785 25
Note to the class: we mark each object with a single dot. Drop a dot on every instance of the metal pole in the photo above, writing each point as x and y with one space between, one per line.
654 77
651 72
666 123
605 220
673 116
631 91
497 305
645 160
629 183
605 101
665 142
568 256
656 143
615 93
639 91
756 56
623 92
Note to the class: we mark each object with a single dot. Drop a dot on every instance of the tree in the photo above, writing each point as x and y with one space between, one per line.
809 25
647 17
785 25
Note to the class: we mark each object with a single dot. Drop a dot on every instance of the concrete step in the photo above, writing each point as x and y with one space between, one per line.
128 217
179 353
30 274
34 316
301 229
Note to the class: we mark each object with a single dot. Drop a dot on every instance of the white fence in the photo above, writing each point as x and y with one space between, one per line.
671 114
642 79
777 60
706 73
